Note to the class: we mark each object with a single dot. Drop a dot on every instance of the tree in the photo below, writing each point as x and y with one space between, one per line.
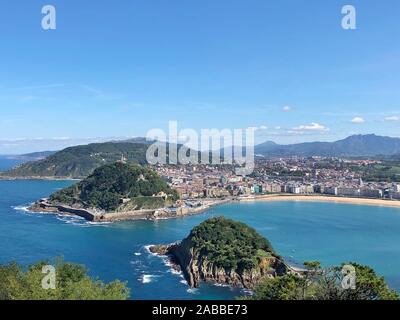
72 283
325 284
368 286
286 287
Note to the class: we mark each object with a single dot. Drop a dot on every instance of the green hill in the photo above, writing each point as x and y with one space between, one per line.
229 244
117 187
80 161
224 251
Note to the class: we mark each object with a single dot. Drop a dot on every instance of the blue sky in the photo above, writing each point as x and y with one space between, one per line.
121 68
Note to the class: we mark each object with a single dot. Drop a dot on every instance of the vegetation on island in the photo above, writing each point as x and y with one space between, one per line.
229 244
71 283
117 187
224 251
223 243
325 284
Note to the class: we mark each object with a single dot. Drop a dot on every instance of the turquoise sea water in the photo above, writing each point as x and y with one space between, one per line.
331 233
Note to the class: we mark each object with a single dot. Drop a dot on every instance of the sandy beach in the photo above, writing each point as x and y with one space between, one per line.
321 198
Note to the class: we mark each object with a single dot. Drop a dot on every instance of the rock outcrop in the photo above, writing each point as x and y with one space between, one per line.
197 264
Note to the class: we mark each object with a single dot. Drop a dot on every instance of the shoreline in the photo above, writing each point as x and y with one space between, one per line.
180 258
41 178
43 206
321 198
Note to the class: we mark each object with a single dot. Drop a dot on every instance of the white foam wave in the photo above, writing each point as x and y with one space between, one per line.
74 220
174 271
66 218
147 278
223 285
147 248
96 223
247 292
171 266
193 290
25 210
21 208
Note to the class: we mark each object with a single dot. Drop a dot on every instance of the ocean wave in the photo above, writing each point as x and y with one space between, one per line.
21 208
166 260
171 266
137 254
174 271
147 278
25 210
139 267
66 218
193 290
97 223
223 285
247 292
147 248
74 220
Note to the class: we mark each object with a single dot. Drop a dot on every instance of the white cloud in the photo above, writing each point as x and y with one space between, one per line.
286 108
277 128
358 120
392 118
311 127
259 128
61 138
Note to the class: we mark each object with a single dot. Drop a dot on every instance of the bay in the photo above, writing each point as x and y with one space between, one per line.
329 232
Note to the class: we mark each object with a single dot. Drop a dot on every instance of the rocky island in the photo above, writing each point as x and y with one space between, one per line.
115 191
224 251
121 191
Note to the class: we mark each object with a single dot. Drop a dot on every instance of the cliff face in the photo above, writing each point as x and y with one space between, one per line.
224 251
196 267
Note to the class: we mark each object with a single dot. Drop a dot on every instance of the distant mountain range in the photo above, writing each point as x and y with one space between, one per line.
353 146
80 161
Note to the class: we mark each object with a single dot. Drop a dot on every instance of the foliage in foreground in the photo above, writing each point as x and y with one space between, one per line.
72 283
320 284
